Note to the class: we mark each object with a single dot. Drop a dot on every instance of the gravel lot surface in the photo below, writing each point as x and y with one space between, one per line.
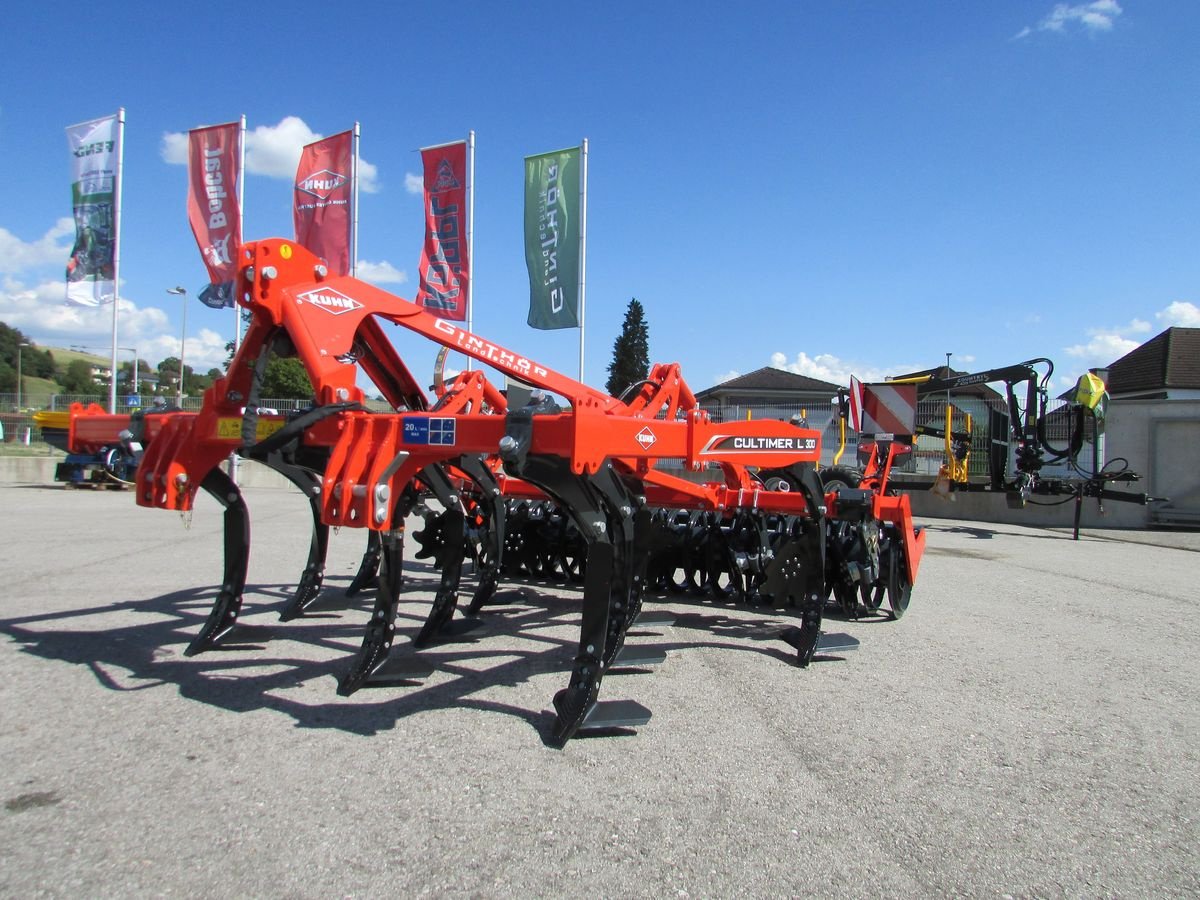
1030 728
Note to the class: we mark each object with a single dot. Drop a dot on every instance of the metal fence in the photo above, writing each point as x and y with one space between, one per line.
929 452
19 428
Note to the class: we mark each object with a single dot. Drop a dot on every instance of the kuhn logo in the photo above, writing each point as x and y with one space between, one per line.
330 300
321 184
646 438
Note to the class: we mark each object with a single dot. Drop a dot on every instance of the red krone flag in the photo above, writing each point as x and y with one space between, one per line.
213 208
324 192
445 269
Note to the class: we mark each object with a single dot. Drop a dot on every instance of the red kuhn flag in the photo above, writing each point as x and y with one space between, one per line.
445 269
324 191
214 210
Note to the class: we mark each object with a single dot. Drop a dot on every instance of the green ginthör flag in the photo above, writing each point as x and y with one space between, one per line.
552 232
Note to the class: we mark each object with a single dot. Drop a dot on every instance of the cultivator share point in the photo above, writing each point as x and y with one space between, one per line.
570 485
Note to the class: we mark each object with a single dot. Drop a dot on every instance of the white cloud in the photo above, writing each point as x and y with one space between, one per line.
828 367
414 184
1107 345
1181 313
41 312
174 147
272 150
728 376
368 177
1092 18
51 248
380 272
1102 348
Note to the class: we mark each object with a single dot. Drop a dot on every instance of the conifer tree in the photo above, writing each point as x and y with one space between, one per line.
631 351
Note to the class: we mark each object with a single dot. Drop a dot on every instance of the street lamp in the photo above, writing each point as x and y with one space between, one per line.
19 346
181 292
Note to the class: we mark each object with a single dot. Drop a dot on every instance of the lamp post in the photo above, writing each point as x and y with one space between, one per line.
19 346
181 292
948 355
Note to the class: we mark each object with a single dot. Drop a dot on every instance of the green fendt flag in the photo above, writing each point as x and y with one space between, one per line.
552 233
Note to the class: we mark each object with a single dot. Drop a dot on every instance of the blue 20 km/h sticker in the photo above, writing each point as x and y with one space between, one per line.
438 432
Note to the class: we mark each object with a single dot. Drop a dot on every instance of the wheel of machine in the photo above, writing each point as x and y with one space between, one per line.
835 477
899 588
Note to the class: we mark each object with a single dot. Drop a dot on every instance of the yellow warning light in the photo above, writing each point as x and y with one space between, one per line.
1089 390
285 250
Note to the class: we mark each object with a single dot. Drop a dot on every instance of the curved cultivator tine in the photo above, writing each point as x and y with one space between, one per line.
311 579
367 576
228 604
449 558
377 642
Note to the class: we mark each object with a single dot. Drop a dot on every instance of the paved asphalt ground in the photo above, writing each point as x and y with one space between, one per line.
1030 728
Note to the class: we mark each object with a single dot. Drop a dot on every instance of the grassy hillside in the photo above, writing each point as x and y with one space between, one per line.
64 357
36 392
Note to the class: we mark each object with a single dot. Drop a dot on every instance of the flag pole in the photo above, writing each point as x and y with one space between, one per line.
354 200
241 199
237 310
112 387
583 161
470 237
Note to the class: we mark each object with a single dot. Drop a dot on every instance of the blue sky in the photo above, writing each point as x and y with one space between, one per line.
833 188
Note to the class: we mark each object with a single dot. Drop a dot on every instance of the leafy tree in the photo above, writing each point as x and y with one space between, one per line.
35 363
286 379
78 379
631 351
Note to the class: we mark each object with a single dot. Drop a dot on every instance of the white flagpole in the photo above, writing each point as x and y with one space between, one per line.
112 388
583 160
241 199
470 237
237 310
354 200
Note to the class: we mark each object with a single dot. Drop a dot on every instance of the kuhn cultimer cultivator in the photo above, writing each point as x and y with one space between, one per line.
573 488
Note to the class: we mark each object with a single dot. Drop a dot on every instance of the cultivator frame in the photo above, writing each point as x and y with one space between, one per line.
596 459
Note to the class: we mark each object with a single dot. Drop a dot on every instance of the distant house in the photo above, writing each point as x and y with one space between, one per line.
1154 421
1166 367
767 393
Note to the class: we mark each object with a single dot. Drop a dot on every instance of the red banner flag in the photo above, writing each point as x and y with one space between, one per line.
214 210
324 191
445 269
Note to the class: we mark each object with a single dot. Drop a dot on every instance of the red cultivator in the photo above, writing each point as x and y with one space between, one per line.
764 529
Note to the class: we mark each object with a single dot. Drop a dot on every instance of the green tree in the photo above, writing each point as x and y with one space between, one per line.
78 379
631 351
35 363
286 379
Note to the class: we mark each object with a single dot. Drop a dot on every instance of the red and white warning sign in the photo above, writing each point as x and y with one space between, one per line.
883 408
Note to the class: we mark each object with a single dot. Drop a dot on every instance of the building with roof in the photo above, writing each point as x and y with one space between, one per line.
1166 367
767 393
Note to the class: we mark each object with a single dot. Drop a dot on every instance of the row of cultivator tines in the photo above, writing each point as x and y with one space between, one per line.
566 485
